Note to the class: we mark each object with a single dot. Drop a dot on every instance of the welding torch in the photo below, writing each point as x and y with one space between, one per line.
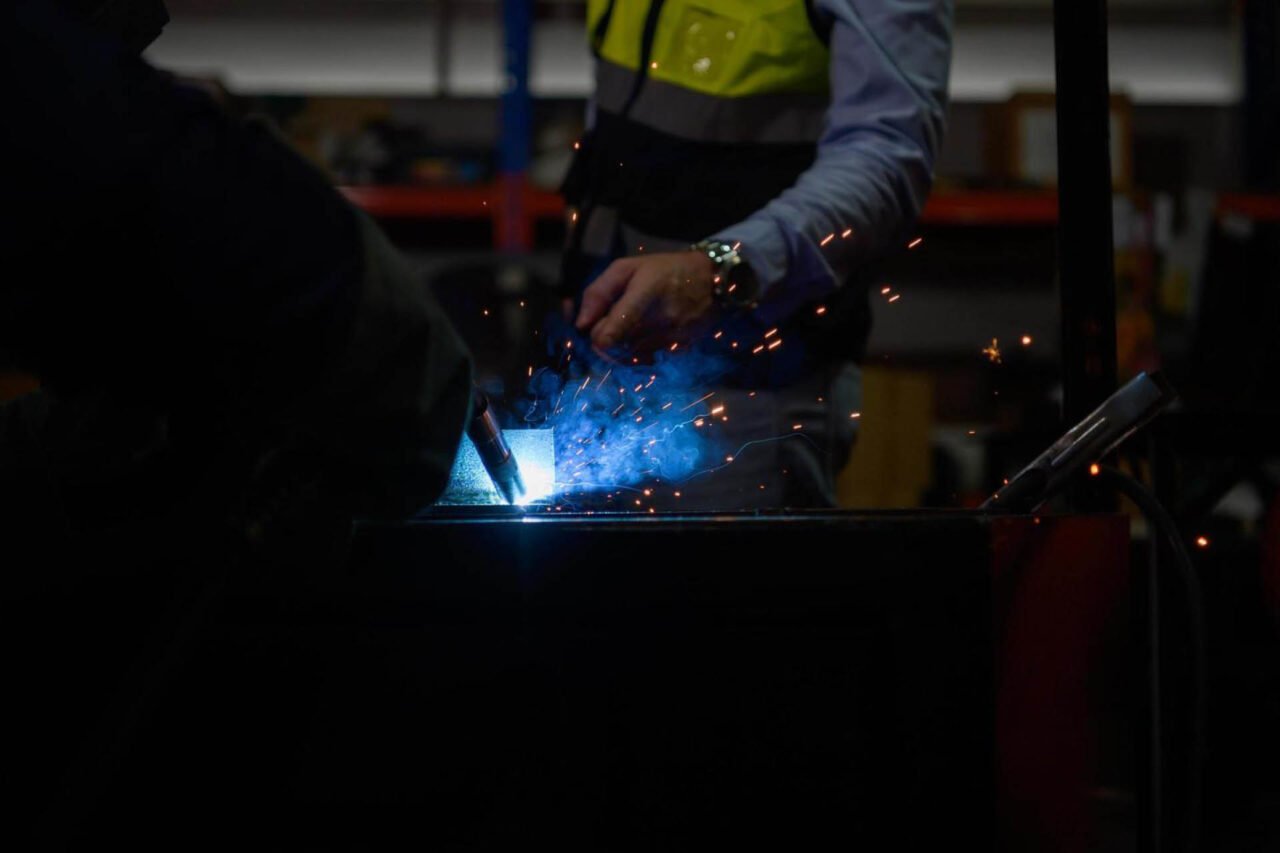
492 447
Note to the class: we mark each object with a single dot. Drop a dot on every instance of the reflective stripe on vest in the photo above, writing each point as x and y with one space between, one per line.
734 71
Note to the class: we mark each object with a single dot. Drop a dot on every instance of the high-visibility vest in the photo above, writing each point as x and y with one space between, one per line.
705 109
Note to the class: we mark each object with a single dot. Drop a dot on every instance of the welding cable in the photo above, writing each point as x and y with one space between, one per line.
1160 520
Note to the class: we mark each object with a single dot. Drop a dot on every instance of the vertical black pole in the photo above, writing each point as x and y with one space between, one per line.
1261 95
1086 271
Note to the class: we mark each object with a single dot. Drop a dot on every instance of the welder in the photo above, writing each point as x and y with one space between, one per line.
179 278
745 166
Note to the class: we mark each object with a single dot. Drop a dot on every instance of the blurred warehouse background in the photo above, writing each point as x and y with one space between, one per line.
409 106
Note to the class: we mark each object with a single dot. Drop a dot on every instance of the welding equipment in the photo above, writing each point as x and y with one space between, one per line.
492 447
1119 416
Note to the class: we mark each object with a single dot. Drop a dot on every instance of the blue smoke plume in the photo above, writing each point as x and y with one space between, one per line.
620 424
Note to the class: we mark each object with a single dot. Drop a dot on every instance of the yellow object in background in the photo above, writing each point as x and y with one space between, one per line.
892 463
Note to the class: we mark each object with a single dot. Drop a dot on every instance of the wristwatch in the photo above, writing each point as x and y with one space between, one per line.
736 285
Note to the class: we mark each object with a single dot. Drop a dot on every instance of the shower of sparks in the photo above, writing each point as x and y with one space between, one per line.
916 242
992 352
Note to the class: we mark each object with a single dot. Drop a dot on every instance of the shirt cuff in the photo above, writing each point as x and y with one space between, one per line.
791 273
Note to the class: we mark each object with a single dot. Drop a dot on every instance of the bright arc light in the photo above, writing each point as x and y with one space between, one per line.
534 449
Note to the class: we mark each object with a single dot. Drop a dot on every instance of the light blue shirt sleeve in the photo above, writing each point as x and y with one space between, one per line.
890 61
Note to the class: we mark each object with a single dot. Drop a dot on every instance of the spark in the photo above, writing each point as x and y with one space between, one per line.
697 401
776 344
619 409
1202 541
699 422
737 246
855 415
1026 340
822 309
771 333
735 344
797 426
916 242
648 492
717 336
758 350
568 344
638 388
531 371
728 459
603 378
577 145
673 346
573 217
486 312
827 239
885 290
993 352
667 406
521 303
653 65
1094 470
895 297
717 410
752 394
847 232
973 432
677 494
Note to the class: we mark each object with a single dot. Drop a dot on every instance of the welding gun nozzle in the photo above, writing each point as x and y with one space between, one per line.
494 451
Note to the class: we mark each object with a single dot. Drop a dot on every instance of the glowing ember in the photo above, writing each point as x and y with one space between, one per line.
1094 470
1202 541
1026 340
992 352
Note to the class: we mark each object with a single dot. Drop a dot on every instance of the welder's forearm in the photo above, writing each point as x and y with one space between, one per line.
396 408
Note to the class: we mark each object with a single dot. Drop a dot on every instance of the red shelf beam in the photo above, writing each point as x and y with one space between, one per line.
479 202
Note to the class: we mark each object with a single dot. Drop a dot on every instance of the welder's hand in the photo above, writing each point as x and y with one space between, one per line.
648 300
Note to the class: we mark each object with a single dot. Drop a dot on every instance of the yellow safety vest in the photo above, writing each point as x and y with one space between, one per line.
734 71
705 110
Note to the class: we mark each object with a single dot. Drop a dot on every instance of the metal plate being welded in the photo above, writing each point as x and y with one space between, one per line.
535 452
